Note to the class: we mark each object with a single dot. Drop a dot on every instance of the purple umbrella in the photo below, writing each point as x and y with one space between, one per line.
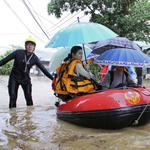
116 42
90 45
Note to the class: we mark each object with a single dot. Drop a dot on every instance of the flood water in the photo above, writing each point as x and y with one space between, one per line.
37 127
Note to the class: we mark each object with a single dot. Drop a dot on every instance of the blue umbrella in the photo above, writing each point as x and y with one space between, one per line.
123 57
91 56
80 33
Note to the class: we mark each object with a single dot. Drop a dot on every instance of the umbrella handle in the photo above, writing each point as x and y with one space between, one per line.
84 53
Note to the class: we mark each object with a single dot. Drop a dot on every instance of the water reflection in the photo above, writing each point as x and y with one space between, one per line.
37 127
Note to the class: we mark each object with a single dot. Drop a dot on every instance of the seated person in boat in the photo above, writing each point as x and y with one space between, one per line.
131 70
72 79
117 78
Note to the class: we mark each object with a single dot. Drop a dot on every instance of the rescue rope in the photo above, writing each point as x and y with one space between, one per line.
137 121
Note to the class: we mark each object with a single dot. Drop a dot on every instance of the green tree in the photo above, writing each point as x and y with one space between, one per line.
128 18
5 69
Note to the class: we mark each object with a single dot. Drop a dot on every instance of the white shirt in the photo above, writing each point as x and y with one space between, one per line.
81 71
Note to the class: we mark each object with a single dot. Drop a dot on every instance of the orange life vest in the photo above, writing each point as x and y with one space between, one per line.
68 82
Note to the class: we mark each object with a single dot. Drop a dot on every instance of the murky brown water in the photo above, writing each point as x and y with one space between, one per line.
37 127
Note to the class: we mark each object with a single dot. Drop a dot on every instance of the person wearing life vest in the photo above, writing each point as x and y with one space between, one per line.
24 59
72 79
120 78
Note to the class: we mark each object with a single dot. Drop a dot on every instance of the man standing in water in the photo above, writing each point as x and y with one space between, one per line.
23 61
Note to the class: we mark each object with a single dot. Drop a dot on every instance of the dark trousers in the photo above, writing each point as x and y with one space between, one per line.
140 78
13 86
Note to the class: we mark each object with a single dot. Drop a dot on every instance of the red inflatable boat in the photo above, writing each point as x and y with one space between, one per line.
111 109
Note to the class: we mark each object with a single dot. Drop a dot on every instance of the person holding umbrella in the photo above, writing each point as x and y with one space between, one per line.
72 79
24 59
120 57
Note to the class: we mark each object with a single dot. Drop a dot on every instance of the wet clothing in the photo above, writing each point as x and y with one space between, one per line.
18 75
68 82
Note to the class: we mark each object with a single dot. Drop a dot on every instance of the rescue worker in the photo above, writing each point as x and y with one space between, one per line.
72 79
24 59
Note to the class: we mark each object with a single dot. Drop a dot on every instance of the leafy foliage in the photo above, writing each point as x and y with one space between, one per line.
128 18
5 69
94 68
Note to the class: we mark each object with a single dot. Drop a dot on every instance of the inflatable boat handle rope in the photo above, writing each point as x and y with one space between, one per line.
137 120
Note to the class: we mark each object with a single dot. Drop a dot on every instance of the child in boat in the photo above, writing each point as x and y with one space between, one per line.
120 77
72 79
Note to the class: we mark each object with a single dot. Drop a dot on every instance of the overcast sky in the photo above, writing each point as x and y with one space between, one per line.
17 24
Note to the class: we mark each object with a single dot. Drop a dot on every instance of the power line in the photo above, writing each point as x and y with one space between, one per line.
17 15
56 25
42 16
69 24
69 20
20 19
35 18
61 21
66 21
38 16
